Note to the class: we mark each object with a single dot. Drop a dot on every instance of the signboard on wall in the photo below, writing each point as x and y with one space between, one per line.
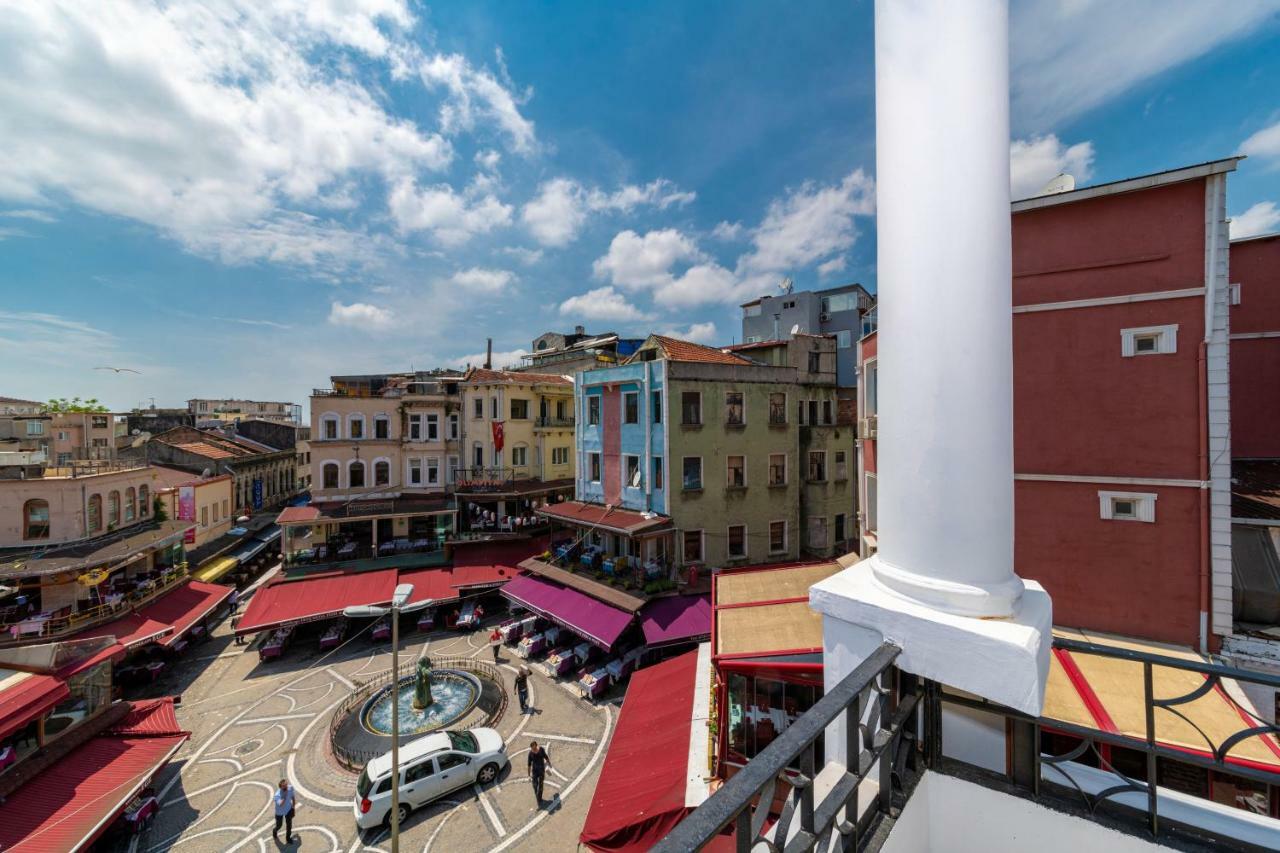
257 493
187 510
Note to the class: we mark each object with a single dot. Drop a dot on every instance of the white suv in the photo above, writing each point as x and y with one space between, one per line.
430 767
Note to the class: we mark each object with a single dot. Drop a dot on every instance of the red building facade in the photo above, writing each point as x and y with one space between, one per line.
1255 348
1121 423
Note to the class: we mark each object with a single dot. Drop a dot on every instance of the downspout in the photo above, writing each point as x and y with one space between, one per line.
1202 404
646 408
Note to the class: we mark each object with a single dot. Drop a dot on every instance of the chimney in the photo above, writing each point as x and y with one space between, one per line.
944 453
580 330
488 354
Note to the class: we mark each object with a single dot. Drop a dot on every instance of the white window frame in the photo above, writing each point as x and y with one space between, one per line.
1233 293
433 427
351 419
870 387
844 339
415 471
627 458
330 418
786 466
595 460
625 395
786 533
381 418
599 410
1166 340
453 427
520 456
746 543
839 470
415 427
1144 505
433 470
702 474
495 409
477 410
702 545
454 463
656 475
745 466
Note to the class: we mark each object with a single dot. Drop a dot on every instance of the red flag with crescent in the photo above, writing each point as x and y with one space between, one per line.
497 436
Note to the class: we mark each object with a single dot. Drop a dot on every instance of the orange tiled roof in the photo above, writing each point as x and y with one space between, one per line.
484 376
678 350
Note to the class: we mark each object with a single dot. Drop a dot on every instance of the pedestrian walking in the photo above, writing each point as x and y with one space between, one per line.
495 640
235 623
539 761
234 600
522 688
285 801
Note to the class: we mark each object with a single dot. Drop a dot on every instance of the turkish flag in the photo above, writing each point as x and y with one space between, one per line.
497 436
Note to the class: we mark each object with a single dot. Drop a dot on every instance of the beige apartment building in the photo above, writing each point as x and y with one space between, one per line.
62 437
75 502
206 409
205 501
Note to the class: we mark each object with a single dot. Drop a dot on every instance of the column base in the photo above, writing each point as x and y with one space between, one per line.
962 599
1005 660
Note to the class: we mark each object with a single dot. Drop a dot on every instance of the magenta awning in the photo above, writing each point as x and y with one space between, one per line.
580 613
676 619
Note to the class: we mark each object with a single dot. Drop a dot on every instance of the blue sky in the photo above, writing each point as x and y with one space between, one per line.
238 201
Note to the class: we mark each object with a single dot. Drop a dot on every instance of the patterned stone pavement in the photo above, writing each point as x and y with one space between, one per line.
253 724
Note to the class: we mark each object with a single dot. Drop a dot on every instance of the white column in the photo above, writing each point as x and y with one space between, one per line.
945 447
945 386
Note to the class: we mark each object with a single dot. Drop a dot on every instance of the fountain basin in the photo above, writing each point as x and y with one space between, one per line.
455 693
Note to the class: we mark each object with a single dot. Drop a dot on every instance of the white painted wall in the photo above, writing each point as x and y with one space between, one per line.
951 815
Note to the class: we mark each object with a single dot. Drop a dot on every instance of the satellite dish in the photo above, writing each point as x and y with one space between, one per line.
206 473
635 479
1063 183
136 432
795 330
787 285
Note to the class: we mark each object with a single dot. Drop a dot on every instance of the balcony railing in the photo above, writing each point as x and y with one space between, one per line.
554 423
882 719
886 741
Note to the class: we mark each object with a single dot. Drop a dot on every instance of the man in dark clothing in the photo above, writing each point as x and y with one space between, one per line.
539 761
522 688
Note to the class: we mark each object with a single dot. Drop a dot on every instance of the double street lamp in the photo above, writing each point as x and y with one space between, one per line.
399 604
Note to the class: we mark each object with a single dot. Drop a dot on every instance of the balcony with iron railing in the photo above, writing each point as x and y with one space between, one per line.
862 798
547 422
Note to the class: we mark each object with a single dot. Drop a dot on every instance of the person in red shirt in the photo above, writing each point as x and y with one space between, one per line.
495 640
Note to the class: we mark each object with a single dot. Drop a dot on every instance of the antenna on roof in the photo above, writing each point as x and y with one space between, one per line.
787 285
1063 183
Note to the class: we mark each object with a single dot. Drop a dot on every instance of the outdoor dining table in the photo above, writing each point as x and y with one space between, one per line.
531 645
427 620
347 550
559 662
382 630
332 637
421 544
32 625
387 548
139 813
8 756
593 684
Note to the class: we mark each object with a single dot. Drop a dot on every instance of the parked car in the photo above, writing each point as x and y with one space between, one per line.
430 767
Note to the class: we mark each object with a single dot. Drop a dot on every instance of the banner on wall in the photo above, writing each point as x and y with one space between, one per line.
498 436
187 510
257 493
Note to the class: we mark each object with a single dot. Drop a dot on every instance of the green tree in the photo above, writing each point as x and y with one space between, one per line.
61 405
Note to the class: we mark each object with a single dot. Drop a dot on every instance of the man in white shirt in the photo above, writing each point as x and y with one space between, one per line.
285 799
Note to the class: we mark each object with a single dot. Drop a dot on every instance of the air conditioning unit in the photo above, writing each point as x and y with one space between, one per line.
822 318
867 427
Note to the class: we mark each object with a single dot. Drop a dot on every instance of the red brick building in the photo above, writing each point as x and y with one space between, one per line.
1255 348
1122 441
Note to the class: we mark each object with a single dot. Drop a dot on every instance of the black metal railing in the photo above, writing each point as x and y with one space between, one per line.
884 738
550 422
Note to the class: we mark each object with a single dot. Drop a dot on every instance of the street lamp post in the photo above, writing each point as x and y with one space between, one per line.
399 604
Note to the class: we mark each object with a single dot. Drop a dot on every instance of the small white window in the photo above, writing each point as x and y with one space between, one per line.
844 339
1151 340
1233 293
1127 506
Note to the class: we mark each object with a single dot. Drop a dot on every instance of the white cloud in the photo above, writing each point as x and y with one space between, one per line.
506 358
811 223
450 217
634 261
475 93
702 284
360 315
234 128
560 209
1035 161
33 215
481 280
1071 55
727 231
699 333
1262 218
603 303
488 159
832 266
1264 144
528 257
32 342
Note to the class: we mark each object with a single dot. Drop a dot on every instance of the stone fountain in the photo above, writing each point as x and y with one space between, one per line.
422 688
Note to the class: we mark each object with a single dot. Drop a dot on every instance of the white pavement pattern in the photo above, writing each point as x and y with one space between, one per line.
253 724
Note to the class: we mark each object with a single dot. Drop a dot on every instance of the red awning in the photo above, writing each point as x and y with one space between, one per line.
491 564
641 793
166 619
69 804
621 521
25 696
288 602
436 584
112 651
